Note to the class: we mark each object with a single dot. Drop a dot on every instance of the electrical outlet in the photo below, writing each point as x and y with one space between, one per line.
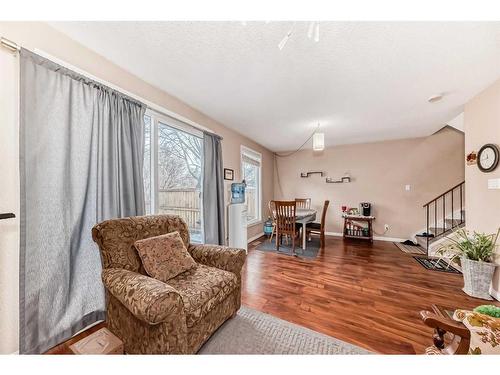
386 227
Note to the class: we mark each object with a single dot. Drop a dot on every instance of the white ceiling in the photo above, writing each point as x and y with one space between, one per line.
363 81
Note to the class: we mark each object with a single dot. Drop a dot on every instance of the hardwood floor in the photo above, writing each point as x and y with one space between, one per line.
367 294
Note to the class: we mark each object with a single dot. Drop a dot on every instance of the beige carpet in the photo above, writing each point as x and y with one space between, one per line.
253 332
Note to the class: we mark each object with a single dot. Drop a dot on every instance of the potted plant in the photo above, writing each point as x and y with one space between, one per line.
476 252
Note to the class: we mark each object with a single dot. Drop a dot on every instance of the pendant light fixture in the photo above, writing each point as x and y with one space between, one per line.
285 39
318 141
312 33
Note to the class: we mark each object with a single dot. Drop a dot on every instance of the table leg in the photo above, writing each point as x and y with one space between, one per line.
304 236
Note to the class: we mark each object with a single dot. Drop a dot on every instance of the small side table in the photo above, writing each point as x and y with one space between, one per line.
355 233
99 342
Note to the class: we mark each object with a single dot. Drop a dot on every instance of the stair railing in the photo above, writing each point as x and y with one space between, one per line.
440 202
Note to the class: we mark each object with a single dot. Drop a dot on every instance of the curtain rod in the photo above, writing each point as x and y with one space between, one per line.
9 44
14 47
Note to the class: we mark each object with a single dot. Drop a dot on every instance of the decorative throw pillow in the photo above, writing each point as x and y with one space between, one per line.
164 257
484 331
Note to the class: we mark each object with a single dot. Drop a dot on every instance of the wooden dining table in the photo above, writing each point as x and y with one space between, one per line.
304 216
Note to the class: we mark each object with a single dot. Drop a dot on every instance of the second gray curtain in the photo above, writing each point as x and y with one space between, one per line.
213 190
81 147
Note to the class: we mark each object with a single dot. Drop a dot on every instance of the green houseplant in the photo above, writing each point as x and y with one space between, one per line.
476 252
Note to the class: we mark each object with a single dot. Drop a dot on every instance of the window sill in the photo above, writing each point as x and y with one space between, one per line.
254 223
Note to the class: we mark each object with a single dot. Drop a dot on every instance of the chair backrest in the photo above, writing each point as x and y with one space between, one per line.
272 210
285 216
303 203
116 238
323 214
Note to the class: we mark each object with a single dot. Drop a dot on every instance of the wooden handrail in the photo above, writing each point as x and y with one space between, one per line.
442 195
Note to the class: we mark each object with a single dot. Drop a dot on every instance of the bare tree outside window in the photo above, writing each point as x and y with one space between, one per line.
179 159
173 162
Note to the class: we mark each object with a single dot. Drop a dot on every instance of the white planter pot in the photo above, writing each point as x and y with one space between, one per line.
477 278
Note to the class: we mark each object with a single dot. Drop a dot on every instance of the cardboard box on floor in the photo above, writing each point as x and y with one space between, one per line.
99 342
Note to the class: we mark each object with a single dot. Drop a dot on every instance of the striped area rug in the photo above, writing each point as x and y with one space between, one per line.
410 249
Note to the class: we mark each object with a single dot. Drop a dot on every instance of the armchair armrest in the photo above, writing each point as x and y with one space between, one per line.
150 300
222 257
434 321
461 335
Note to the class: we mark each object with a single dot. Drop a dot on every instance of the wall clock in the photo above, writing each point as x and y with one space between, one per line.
487 157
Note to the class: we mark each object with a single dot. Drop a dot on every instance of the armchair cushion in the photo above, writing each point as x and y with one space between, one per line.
164 257
202 288
223 257
484 331
150 300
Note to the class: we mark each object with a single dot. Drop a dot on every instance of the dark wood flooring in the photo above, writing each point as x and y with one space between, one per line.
368 294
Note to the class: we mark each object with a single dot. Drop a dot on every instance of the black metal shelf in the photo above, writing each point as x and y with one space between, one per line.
307 174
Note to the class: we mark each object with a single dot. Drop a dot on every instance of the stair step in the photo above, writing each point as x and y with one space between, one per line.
438 234
437 231
422 241
449 223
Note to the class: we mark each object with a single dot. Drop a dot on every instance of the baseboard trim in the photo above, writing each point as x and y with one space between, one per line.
378 238
255 237
338 234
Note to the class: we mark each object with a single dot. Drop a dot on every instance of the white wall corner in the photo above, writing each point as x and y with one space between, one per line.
457 122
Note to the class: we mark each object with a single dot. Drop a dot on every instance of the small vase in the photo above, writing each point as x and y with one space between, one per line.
477 278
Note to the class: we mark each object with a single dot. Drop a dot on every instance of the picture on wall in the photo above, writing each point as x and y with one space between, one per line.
228 174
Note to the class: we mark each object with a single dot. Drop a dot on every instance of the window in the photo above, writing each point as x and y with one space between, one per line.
147 163
251 172
173 166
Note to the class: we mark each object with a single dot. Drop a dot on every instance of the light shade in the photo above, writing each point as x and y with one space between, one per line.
319 141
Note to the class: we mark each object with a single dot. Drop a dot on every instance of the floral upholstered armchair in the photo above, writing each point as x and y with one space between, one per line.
153 317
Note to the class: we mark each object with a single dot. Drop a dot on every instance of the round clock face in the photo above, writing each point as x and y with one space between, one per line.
488 156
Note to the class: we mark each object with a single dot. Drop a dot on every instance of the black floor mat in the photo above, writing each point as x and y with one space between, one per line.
436 264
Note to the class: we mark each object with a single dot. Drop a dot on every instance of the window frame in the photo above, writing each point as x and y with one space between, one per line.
156 119
257 156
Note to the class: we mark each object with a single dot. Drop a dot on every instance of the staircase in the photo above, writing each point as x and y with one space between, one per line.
444 215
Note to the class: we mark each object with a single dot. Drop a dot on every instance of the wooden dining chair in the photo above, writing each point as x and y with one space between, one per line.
285 222
304 203
319 228
272 214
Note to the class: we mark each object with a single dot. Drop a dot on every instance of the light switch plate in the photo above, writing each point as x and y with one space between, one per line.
407 187
494 183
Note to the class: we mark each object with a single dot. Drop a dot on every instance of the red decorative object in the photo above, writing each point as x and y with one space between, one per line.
472 158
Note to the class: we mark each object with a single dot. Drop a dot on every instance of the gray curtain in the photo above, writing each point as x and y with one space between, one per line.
81 147
213 190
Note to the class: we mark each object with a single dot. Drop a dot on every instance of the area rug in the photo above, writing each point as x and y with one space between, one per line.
254 332
410 249
436 264
311 251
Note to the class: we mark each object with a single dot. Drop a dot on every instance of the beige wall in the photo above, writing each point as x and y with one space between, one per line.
37 35
379 173
482 125
9 202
